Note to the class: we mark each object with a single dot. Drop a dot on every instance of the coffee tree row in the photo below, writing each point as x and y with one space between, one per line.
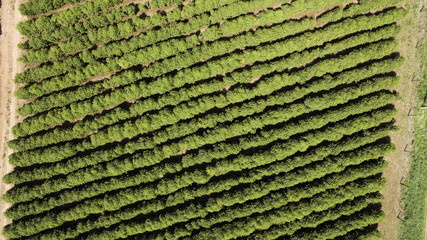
124 78
218 119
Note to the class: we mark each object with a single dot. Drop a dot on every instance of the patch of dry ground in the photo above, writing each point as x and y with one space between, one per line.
399 162
8 68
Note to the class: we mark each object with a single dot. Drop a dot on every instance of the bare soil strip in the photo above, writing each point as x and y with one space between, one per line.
9 66
399 162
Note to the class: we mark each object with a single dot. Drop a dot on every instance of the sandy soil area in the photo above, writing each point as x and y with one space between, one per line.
8 68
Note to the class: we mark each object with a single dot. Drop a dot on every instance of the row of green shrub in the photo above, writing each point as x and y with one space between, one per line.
20 176
285 11
345 225
163 84
246 226
352 215
70 133
110 202
271 16
337 13
194 141
158 51
44 172
224 133
163 3
122 29
316 154
134 43
63 98
381 118
222 150
160 18
218 46
199 53
205 19
175 97
43 25
81 177
108 50
23 194
89 91
345 128
49 24
99 20
366 233
246 177
36 7
263 201
119 167
144 124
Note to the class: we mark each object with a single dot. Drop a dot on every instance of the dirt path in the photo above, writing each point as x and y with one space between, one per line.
399 162
8 68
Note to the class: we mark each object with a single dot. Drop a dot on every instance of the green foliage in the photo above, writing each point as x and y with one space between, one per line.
331 230
357 210
25 194
282 216
136 23
271 16
369 5
164 3
202 53
220 152
274 200
45 24
175 30
116 200
323 34
337 13
225 184
185 111
176 96
415 190
281 182
332 15
98 20
163 84
36 7
142 40
290 198
367 233
217 119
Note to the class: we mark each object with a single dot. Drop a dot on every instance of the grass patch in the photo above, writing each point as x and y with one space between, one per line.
414 195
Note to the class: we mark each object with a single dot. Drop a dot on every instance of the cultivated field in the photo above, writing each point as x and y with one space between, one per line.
201 119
